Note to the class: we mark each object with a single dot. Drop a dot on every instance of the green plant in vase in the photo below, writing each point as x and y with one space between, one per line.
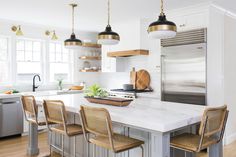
95 91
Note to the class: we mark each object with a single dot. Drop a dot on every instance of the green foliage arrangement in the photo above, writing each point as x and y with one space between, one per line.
95 91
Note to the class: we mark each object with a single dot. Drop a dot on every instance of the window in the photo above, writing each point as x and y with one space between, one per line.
28 56
4 61
60 62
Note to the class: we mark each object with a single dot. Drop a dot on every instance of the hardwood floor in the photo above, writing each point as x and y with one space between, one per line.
16 147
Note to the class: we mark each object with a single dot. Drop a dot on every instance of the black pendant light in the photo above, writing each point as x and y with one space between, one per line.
73 42
162 28
108 37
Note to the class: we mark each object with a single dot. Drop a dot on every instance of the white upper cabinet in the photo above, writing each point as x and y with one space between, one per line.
191 21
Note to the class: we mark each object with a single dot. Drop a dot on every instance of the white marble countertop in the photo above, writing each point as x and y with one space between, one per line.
41 93
6 96
144 113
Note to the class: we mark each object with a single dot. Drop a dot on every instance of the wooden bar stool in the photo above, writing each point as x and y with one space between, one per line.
211 131
97 121
55 112
30 110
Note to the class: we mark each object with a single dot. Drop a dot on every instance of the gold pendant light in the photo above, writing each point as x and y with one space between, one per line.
108 37
73 42
162 28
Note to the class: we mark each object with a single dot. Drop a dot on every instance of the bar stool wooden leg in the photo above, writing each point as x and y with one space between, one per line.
88 154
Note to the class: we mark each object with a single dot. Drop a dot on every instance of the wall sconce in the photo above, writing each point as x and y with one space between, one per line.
52 34
17 30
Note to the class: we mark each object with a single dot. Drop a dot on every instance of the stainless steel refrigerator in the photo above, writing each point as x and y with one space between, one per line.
183 68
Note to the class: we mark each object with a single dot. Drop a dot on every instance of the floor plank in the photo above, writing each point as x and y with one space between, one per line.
16 147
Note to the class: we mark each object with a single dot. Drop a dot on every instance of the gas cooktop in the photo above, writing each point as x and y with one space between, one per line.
131 91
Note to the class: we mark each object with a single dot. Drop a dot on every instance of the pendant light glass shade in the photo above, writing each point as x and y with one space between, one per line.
108 37
162 28
73 42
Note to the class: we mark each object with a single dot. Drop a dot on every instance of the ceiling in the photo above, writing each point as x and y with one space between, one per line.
90 15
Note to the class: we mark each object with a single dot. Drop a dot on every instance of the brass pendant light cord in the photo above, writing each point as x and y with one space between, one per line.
108 12
162 7
73 18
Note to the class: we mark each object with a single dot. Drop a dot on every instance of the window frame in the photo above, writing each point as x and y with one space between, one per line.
41 61
70 63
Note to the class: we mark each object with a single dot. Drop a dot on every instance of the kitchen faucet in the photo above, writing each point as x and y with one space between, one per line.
35 87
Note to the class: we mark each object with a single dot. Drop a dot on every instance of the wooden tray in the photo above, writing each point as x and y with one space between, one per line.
110 101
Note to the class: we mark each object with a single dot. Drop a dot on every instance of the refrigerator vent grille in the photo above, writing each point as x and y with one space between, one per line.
187 37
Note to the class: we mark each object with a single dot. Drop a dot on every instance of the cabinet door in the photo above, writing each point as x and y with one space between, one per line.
11 118
188 22
195 21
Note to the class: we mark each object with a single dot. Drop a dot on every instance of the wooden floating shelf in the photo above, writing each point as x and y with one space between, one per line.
91 45
90 57
128 53
82 70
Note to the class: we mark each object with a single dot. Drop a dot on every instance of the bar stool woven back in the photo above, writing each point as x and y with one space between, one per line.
55 111
29 105
97 121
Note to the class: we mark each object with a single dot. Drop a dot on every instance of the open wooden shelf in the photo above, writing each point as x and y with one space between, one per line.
82 70
90 57
128 53
91 45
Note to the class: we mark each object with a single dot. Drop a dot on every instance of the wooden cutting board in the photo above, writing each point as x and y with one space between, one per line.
143 80
133 77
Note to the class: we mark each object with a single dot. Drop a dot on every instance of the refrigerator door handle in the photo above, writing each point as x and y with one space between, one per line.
162 78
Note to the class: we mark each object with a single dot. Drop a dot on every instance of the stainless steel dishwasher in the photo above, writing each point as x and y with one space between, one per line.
11 117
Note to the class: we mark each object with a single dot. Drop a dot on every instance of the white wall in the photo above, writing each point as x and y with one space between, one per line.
215 71
230 75
221 63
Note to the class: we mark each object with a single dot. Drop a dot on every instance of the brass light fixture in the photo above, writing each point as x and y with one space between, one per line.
17 30
73 42
108 37
162 28
52 34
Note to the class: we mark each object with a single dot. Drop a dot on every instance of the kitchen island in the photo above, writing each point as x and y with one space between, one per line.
147 119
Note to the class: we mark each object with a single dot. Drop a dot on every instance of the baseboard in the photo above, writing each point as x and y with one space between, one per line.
230 139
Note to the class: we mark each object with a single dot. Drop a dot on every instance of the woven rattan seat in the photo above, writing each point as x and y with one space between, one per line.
190 142
72 129
121 143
